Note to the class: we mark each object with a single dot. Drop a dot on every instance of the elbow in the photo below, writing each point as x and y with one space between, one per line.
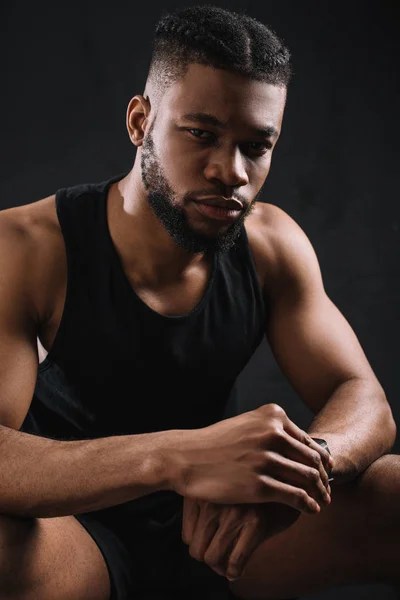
392 430
389 427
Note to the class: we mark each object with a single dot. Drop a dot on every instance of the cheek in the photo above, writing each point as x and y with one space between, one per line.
261 171
267 169
182 169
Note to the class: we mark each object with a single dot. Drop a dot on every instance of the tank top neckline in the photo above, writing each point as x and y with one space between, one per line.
124 279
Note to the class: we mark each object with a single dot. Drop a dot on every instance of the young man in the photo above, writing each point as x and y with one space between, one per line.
149 293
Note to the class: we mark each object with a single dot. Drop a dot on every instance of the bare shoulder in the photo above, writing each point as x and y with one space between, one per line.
32 251
279 245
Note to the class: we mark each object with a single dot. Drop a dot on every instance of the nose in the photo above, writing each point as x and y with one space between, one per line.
228 167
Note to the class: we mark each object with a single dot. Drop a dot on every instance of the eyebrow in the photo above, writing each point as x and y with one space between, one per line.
208 119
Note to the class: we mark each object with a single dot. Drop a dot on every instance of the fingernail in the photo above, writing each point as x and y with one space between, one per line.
232 578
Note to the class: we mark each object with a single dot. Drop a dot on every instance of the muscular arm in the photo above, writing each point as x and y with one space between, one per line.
322 358
41 477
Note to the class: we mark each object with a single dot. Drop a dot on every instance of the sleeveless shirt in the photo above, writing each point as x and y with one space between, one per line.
118 367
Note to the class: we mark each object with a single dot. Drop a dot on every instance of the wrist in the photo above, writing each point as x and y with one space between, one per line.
169 457
156 466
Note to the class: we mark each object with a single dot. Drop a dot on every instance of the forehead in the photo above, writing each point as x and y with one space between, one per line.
229 96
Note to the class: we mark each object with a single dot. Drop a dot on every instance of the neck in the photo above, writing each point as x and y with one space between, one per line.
140 239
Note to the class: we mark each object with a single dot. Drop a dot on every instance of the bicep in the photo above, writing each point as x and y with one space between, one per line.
312 341
18 345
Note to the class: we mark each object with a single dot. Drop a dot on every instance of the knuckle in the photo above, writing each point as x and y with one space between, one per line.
276 432
276 410
301 496
262 487
264 462
313 475
316 459
235 562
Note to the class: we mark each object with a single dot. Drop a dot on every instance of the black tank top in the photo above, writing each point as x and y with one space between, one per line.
117 366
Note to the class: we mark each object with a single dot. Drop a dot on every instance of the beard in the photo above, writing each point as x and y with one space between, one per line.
161 198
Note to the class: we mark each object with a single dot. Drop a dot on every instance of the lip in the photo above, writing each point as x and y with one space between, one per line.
217 213
221 202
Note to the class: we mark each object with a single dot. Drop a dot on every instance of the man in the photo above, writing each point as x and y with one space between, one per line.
148 294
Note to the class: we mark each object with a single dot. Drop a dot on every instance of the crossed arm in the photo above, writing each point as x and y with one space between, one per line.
322 358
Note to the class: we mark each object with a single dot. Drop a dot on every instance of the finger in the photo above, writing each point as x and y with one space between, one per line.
296 497
325 455
299 475
307 455
220 547
206 526
246 543
191 511
302 436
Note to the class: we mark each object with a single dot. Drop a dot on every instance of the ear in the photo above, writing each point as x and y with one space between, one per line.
137 118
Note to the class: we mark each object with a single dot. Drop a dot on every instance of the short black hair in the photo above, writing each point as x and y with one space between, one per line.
220 38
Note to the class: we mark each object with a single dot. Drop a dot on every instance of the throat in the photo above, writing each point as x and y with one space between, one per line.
175 297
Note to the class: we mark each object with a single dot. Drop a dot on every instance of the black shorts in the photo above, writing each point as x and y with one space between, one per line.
157 564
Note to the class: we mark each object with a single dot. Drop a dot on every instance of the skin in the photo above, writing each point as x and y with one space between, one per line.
165 244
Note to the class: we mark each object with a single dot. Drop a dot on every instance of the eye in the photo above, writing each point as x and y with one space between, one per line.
260 149
201 131
265 146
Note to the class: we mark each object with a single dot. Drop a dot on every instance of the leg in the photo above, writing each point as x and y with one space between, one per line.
50 559
355 540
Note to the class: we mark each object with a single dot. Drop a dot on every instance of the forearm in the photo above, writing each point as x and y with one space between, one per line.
358 425
41 477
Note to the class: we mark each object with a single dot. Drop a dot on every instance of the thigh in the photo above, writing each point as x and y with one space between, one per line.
356 539
50 559
121 566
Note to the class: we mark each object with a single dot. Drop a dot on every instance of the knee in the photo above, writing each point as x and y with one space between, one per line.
383 475
381 490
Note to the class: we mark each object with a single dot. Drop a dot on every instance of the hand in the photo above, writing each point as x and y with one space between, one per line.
258 456
225 537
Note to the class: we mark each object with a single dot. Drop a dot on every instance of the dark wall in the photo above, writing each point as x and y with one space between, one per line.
69 72
336 173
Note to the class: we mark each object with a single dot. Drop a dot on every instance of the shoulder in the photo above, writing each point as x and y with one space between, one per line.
282 251
32 251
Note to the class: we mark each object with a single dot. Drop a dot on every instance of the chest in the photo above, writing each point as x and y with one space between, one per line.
177 296
174 298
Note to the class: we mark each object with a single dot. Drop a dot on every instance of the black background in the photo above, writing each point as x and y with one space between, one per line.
69 72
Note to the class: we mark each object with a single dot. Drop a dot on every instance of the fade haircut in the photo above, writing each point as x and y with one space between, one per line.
219 38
